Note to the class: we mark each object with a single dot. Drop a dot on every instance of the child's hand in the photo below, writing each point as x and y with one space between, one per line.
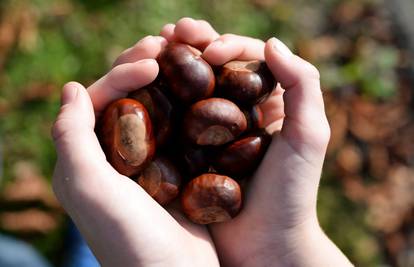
123 225
278 224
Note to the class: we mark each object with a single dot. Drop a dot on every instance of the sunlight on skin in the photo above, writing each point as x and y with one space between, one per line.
126 227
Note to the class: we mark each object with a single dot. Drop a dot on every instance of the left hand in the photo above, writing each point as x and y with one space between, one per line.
122 224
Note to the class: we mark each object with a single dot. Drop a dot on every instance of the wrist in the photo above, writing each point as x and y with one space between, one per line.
308 245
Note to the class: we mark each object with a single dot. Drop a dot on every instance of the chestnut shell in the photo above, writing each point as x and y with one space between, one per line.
254 116
189 77
245 82
126 136
160 110
197 159
161 180
214 121
211 198
240 158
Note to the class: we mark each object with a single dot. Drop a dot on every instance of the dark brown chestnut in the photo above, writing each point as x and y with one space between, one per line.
211 198
161 180
254 117
188 75
196 159
245 82
241 158
160 110
126 136
214 121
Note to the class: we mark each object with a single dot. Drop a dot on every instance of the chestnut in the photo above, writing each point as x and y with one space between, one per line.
254 116
160 110
211 198
242 157
196 159
189 77
161 180
126 136
214 121
245 82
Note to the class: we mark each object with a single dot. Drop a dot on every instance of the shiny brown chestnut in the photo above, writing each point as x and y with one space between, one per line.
126 136
254 117
214 121
188 75
245 82
160 110
161 180
242 157
211 198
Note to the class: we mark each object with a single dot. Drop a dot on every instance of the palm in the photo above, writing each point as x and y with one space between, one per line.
125 227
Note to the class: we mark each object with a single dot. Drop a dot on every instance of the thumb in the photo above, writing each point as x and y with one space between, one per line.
305 125
73 133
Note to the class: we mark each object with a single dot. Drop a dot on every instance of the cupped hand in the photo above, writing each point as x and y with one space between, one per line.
122 224
278 224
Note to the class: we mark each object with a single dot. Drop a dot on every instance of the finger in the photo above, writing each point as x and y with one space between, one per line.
121 80
168 32
73 130
273 107
148 47
305 120
198 33
230 47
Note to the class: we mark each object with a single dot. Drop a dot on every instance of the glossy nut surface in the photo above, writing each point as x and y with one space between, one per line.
245 82
254 117
243 156
214 121
188 75
160 110
161 180
126 136
211 198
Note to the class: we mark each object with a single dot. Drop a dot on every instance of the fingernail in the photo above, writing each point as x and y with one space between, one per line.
147 60
280 47
69 93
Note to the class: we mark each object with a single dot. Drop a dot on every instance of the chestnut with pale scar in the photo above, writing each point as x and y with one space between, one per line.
126 136
211 198
214 121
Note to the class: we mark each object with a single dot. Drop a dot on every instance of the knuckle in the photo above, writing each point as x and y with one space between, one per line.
324 134
183 20
113 73
58 129
312 71
204 22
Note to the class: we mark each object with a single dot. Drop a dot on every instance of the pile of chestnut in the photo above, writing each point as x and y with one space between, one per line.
196 131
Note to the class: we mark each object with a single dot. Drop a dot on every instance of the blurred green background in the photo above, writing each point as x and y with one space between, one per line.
366 197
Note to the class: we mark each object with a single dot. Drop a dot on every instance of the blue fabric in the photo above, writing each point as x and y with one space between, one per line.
78 252
15 253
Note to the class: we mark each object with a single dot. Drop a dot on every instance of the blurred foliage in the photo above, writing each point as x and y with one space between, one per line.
44 44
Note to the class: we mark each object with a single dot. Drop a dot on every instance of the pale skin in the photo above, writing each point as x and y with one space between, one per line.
124 226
